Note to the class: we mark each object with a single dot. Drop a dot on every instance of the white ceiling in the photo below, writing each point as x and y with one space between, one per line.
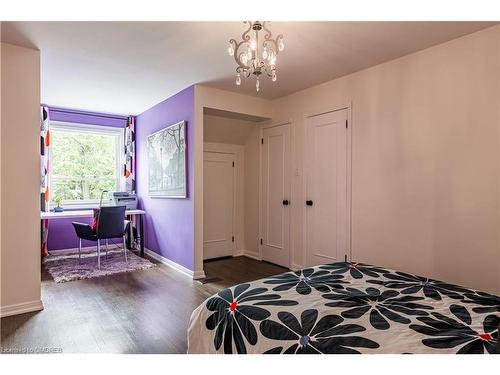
127 67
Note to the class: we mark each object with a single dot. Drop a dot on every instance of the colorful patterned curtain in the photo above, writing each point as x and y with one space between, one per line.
44 174
129 168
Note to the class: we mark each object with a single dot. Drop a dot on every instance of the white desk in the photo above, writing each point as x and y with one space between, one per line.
90 213
80 213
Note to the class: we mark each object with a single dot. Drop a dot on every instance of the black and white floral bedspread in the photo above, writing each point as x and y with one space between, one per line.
346 308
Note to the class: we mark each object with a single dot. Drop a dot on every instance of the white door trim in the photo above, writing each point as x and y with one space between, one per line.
292 198
347 107
237 152
273 124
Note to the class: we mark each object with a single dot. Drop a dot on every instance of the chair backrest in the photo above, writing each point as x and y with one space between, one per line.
111 222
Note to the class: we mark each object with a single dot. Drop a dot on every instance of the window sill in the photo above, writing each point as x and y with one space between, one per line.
78 207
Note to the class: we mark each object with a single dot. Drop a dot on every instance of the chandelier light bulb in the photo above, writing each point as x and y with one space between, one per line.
238 79
264 53
230 50
281 45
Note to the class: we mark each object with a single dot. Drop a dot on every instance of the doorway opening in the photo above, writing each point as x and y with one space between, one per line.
230 184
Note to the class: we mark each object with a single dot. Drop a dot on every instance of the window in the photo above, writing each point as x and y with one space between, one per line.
86 159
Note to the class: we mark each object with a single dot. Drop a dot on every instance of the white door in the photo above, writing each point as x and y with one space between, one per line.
326 188
218 198
275 179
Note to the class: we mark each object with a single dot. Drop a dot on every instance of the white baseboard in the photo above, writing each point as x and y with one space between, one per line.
251 254
199 275
171 263
239 253
21 308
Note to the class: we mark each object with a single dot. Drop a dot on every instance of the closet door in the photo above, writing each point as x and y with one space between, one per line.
326 188
275 190
218 198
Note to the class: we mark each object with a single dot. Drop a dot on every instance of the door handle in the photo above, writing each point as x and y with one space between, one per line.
309 202
285 202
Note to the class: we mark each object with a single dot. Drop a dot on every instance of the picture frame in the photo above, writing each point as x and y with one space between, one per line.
167 162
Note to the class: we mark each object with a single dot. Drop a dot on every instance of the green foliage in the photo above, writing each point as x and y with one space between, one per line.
82 165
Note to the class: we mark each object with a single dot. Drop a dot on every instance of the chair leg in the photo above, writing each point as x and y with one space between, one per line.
125 249
79 249
99 254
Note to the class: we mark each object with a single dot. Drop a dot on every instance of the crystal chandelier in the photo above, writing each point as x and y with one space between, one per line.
256 54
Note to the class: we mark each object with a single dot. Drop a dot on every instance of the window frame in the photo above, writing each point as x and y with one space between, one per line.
118 133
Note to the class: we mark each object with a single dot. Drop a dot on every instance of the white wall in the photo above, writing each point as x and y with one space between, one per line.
226 130
20 175
425 159
252 180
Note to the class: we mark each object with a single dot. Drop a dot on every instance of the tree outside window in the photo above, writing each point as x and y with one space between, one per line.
83 165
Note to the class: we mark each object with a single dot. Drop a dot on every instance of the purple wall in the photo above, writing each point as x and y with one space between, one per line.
169 222
61 232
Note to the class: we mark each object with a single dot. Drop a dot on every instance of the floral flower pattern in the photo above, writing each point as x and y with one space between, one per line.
356 270
382 307
303 281
313 336
412 284
448 332
233 313
346 308
487 302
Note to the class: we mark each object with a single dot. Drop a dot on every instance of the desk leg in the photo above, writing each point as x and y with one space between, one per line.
129 233
141 234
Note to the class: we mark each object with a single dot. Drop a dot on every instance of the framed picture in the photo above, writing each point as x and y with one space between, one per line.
167 162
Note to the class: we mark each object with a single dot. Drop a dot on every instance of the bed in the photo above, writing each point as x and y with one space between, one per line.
346 308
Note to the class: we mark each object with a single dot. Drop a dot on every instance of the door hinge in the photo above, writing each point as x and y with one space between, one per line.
262 141
261 241
233 164
232 239
345 258
346 124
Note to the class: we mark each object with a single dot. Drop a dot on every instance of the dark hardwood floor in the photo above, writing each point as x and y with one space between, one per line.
138 312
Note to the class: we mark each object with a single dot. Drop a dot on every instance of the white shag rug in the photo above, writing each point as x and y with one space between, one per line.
67 267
